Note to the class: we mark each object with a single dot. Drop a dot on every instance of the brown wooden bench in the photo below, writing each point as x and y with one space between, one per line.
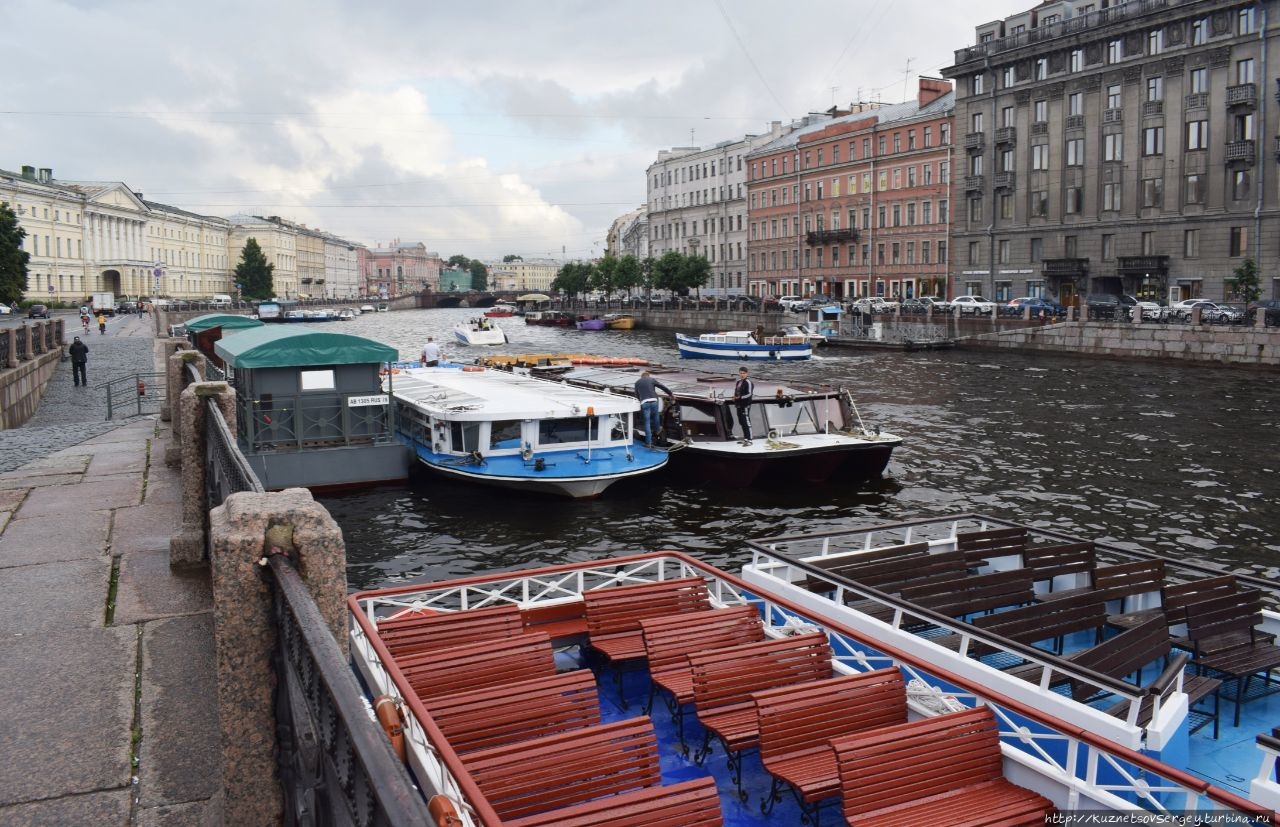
425 631
839 563
1116 657
516 711
694 803
545 774
973 594
1196 687
1047 563
668 641
892 576
981 547
1174 600
725 679
942 770
1226 641
1048 621
613 615
478 665
797 724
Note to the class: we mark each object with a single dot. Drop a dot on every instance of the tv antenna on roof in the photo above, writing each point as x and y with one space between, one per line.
906 77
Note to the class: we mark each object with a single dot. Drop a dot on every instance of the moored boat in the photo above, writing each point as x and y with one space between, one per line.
479 331
549 318
500 311
516 432
768 713
619 321
589 323
743 345
804 331
801 432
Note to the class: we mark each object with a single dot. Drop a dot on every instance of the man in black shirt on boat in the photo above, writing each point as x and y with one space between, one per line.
647 392
743 390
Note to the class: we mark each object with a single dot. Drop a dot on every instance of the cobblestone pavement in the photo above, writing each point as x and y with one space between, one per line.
69 415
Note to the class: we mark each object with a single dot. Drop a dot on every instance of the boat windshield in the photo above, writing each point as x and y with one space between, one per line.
807 417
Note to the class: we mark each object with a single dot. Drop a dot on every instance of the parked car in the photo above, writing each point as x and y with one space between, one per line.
873 304
1221 314
742 302
1182 309
939 305
1271 309
790 302
37 311
1038 305
1151 310
5 309
973 305
914 307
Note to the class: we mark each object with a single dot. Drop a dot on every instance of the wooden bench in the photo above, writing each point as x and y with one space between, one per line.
1226 641
516 711
613 615
942 770
973 594
1125 580
797 724
1048 621
981 547
694 803
1196 687
478 665
1047 563
544 774
1116 657
839 563
725 679
1174 600
892 576
423 632
668 641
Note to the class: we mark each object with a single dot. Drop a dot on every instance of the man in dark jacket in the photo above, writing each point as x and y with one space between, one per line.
743 391
79 356
650 411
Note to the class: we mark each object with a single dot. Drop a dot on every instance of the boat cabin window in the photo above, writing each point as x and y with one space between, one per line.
619 427
316 380
551 431
466 436
504 434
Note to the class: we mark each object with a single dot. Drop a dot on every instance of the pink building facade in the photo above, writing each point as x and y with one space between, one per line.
399 269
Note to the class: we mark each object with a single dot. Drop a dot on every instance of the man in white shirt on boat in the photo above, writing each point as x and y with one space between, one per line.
430 353
647 392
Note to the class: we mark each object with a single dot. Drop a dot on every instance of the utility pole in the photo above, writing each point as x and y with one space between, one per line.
906 78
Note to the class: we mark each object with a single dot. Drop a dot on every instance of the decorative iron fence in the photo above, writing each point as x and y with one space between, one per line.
135 394
294 422
226 471
24 344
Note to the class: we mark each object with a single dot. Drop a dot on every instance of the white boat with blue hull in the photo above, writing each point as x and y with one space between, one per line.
516 432
743 345
490 724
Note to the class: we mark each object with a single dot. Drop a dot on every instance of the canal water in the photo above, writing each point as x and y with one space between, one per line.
1172 458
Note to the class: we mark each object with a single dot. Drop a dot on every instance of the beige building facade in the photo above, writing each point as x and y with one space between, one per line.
531 276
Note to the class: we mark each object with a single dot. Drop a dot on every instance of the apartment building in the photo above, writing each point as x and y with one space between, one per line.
532 276
342 274
629 234
696 204
401 268
188 253
856 205
279 243
1116 147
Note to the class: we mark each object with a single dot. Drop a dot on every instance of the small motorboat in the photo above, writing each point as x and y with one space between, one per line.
744 345
500 311
367 308
619 321
805 332
590 323
346 314
479 331
382 308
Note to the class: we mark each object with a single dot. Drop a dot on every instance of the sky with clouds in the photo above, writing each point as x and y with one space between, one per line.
480 128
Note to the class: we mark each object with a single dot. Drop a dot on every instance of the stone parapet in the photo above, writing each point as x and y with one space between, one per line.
23 386
187 546
1216 344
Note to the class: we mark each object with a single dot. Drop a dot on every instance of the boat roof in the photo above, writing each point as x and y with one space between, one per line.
283 347
226 321
485 395
688 383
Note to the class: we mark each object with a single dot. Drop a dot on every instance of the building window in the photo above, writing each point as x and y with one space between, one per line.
1075 60
975 252
942 252
911 176
1242 127
880 254
895 251
1155 42
1009 77
1199 32
977 122
975 164
1041 111
1113 96
1193 193
911 214
1037 249
1155 88
1007 116
944 134
1075 103
1240 180
1007 160
1153 140
1246 21
1108 247
1153 192
1199 81
1042 68
1040 157
1244 71
897 215
928 137
975 87
1111 197
925 252
1075 152
975 209
1006 207
1113 147
926 212
1071 246
1075 200
897 142
1115 51
882 216
942 215
1040 204
1191 244
880 144
911 139
1002 250
1197 135
1239 241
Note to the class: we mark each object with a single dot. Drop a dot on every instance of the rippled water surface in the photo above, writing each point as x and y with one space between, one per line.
1173 458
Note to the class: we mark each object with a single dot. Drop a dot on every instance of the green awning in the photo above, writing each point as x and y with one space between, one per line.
226 321
272 346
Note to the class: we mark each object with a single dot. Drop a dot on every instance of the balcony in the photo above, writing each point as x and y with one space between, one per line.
1007 135
975 140
1243 96
1113 116
1040 128
305 280
1196 100
1152 108
1003 180
1142 265
973 183
1075 122
1242 152
813 237
1063 267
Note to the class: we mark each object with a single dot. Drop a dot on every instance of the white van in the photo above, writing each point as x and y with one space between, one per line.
220 300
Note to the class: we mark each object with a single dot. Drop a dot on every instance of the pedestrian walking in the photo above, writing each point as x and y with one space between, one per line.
79 358
102 324
743 391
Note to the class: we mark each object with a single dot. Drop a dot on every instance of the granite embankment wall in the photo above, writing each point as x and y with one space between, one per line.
31 354
1215 344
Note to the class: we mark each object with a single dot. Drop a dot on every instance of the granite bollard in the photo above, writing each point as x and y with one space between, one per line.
186 547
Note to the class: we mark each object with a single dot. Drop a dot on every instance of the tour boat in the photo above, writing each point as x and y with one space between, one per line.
500 311
517 432
479 332
619 321
801 432
549 318
743 345
656 688
590 323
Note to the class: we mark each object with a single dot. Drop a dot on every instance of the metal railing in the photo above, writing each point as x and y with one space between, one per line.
226 471
135 394
336 767
296 422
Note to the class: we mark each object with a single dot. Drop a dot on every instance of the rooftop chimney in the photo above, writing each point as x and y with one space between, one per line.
45 176
28 172
138 196
931 89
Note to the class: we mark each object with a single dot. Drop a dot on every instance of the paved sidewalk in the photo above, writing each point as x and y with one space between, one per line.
107 707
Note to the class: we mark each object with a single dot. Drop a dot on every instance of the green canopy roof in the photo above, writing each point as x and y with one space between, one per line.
226 321
277 346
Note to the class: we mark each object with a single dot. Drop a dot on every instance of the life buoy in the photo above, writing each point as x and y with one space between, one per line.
388 712
442 810
472 368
